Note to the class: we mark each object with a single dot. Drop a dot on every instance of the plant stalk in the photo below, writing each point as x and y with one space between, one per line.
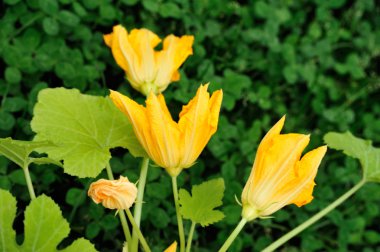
139 201
139 234
313 219
179 217
122 217
190 237
29 182
233 235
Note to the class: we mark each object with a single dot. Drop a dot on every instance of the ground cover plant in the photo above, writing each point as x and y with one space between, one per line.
315 61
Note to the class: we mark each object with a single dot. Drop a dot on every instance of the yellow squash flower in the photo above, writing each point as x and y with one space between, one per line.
146 69
172 248
113 194
279 177
171 145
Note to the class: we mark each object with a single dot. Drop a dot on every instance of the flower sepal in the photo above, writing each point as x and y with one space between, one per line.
250 212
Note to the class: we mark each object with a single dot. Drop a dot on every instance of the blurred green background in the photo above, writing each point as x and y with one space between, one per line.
316 61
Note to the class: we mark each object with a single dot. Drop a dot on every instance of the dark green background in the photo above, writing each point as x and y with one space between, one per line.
315 61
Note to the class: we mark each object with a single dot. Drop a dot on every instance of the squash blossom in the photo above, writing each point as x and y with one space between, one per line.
278 176
146 69
113 194
171 145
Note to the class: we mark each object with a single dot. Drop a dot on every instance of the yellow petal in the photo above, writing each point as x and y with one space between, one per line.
165 132
121 49
137 115
214 107
278 176
143 42
176 76
277 167
307 169
193 124
257 171
113 194
172 248
174 53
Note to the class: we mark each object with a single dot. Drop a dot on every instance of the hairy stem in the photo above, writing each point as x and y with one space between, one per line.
122 217
233 235
190 237
29 182
179 217
139 200
313 219
144 244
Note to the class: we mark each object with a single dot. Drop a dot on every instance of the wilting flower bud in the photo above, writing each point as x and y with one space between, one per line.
113 194
171 145
279 175
146 69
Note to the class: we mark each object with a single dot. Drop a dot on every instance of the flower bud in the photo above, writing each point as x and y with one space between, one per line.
113 194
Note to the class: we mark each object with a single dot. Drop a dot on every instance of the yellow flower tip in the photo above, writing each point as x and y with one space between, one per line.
147 69
172 247
113 194
279 175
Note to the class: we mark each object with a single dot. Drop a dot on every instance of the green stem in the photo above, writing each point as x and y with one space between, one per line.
179 217
29 182
233 235
139 234
26 25
313 219
190 238
122 217
139 200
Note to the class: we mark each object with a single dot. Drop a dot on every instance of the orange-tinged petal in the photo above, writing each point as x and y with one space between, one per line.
176 76
172 248
113 194
307 168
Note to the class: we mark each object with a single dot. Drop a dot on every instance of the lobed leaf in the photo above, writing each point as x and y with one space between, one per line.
361 149
44 224
84 128
199 207
18 151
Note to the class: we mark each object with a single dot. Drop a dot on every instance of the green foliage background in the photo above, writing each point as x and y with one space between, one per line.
316 61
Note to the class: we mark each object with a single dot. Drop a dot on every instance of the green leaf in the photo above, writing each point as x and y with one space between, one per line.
170 10
50 26
68 18
14 104
49 6
361 149
19 151
7 215
45 226
7 121
80 244
84 129
199 207
12 75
